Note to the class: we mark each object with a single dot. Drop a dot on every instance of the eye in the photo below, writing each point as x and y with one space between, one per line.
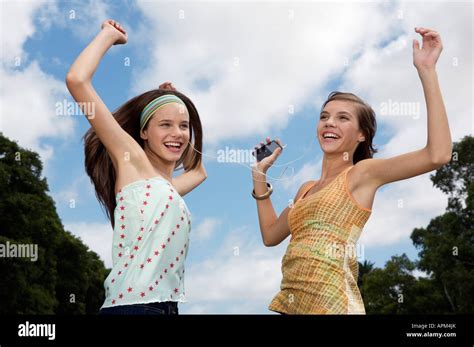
323 116
344 117
184 126
165 124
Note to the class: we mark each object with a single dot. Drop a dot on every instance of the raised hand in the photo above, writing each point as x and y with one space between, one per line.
168 86
428 54
116 30
262 166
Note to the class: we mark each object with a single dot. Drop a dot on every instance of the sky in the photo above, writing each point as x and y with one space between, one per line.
253 69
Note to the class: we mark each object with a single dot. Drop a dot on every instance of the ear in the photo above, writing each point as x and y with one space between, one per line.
144 134
362 139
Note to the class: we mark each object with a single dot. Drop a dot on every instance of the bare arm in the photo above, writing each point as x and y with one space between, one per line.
437 151
274 229
118 142
189 180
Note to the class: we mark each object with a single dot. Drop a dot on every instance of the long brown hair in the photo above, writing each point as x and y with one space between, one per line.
98 164
367 124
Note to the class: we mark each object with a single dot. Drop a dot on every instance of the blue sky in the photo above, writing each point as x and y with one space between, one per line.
243 95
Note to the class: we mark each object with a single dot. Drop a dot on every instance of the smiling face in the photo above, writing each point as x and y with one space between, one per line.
338 128
167 132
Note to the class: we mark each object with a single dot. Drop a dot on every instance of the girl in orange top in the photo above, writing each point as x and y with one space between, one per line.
320 268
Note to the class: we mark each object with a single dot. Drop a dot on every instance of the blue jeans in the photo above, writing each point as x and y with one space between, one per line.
154 308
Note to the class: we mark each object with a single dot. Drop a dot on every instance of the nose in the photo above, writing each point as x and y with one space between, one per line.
329 123
175 131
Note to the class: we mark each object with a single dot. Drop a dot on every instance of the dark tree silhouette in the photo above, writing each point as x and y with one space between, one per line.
67 277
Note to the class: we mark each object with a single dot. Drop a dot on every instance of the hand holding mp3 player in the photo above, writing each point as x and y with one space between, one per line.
270 150
266 150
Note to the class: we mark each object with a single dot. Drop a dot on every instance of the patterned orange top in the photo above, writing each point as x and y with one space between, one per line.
320 267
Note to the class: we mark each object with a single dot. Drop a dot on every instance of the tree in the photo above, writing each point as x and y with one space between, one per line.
447 244
395 290
446 253
64 265
364 268
384 290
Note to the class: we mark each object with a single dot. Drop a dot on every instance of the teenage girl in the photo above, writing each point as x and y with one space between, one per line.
319 268
130 156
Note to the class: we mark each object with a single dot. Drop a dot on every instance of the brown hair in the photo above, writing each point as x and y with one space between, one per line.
98 164
367 124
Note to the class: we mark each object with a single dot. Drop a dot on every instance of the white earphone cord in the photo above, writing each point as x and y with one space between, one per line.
274 165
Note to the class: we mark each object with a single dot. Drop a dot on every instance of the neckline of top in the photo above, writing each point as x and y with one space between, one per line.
305 197
144 180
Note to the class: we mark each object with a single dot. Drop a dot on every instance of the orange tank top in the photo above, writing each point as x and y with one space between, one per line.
320 267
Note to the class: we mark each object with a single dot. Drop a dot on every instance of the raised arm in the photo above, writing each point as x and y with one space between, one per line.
189 180
79 82
437 151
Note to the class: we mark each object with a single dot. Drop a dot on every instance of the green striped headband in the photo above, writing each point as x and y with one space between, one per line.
155 105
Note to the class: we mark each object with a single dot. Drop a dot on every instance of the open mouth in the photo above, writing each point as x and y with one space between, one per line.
329 136
173 146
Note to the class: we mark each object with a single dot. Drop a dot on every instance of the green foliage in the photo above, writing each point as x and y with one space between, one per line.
64 267
457 177
446 251
395 290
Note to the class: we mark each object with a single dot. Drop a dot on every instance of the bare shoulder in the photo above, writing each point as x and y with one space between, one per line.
128 171
370 172
362 174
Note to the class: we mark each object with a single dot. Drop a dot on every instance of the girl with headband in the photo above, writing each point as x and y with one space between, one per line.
130 156
325 220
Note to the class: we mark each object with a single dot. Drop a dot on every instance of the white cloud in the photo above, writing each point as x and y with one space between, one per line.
97 236
387 74
28 108
17 26
257 59
206 228
239 277
400 208
80 190
88 17
84 17
27 94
